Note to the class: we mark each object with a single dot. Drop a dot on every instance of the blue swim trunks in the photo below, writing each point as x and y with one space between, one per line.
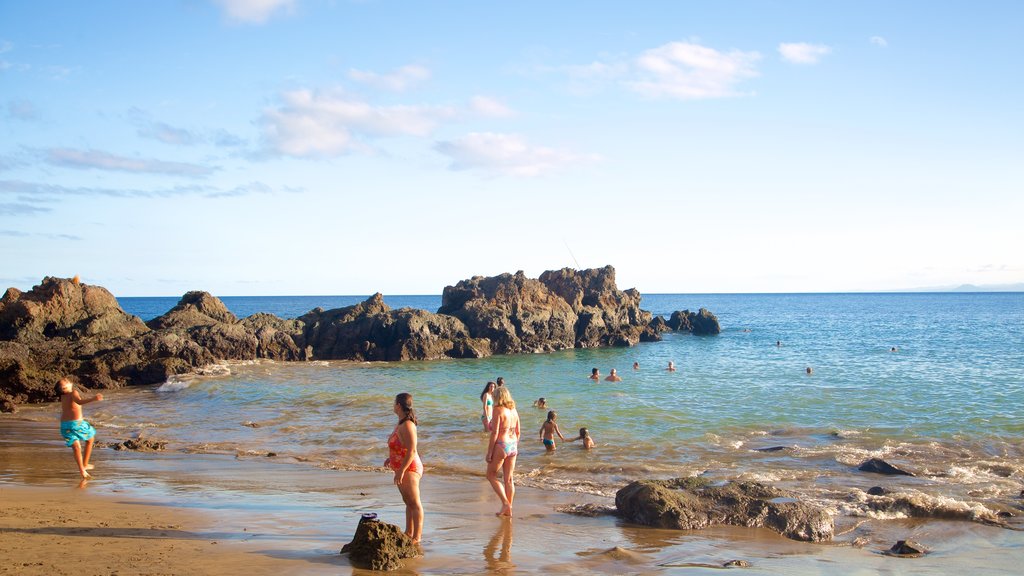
74 430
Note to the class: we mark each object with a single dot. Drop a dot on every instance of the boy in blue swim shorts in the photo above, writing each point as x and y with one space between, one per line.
73 428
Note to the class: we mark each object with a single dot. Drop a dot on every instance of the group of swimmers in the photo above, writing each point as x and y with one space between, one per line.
613 376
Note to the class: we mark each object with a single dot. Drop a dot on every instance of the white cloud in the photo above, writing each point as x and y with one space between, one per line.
6 46
504 154
96 159
312 124
802 52
398 81
486 106
690 71
253 11
878 41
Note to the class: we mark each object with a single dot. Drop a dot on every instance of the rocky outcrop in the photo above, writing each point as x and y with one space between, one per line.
63 327
606 315
278 339
690 504
371 331
879 466
378 545
700 323
515 313
60 308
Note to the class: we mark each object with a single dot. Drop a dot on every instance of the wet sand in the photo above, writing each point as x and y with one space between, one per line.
178 513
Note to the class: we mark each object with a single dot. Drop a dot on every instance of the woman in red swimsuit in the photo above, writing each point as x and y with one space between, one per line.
405 461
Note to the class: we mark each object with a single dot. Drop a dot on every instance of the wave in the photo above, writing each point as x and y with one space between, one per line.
916 504
174 384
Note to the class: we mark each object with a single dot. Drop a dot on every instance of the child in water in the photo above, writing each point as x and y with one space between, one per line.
73 428
540 403
588 442
548 430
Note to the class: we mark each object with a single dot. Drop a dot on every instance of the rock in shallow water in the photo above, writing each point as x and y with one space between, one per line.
879 466
686 505
907 549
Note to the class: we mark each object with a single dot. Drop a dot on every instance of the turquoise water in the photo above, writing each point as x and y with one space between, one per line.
947 404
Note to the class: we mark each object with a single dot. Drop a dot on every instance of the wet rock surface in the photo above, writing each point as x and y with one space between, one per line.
140 445
689 504
879 466
379 546
907 549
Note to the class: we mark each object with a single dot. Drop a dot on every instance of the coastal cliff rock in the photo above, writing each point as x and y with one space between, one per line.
378 545
278 339
515 313
689 504
606 315
65 328
371 331
700 323
60 308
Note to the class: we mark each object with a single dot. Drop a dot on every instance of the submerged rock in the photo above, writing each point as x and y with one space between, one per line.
140 445
877 491
379 546
686 505
879 466
736 564
907 549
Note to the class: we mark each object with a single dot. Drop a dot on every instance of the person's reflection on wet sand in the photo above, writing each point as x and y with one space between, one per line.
503 562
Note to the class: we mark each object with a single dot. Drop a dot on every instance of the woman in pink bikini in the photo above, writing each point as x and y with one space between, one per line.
502 449
405 461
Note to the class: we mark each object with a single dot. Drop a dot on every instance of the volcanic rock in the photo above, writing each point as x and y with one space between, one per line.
879 466
515 313
379 546
685 505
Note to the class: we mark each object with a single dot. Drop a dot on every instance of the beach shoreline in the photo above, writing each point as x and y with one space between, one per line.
273 517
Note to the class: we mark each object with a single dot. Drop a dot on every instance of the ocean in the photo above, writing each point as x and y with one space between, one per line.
947 404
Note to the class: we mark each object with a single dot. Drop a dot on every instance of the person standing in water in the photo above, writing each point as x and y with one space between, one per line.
548 430
502 449
487 399
404 459
613 377
73 428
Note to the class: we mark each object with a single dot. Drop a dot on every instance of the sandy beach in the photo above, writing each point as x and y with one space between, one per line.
177 513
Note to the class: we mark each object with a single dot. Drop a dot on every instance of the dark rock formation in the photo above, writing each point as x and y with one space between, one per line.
379 546
907 549
64 328
60 308
770 449
370 330
139 445
278 339
515 313
686 505
606 315
877 491
879 466
700 323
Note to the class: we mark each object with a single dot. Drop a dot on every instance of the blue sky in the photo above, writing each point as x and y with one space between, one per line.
257 147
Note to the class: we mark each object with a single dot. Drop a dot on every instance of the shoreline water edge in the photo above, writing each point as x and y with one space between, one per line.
290 451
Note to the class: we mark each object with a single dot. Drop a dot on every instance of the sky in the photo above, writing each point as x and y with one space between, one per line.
285 147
